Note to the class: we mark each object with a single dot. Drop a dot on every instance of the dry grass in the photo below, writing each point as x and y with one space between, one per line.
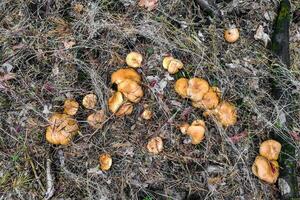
31 41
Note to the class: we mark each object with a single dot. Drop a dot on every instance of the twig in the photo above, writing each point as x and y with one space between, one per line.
35 174
50 185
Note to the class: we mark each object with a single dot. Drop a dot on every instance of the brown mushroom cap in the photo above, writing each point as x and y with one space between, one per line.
134 59
265 170
89 101
115 102
196 131
231 35
209 101
125 109
105 161
126 73
96 119
270 149
71 107
155 145
183 128
181 86
197 88
131 90
62 129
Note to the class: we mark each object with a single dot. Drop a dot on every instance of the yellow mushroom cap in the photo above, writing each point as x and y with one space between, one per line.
265 170
62 129
174 66
115 102
134 59
105 161
71 107
197 88
183 128
181 86
155 145
196 131
166 61
226 113
125 73
270 149
96 119
89 101
209 101
131 90
231 35
147 114
125 109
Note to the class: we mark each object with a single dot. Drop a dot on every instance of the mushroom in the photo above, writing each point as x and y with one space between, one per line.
225 113
197 88
89 101
96 119
172 65
155 145
134 59
209 101
181 86
265 170
62 129
115 102
183 128
71 107
270 149
125 109
105 161
196 131
131 90
231 35
147 114
125 73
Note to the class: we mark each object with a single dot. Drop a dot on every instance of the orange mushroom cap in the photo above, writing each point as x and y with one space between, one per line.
196 131
105 161
155 145
166 61
197 88
126 73
265 170
115 102
172 65
231 35
181 86
131 90
270 149
125 109
134 59
183 128
209 101
96 119
147 114
71 107
89 101
62 129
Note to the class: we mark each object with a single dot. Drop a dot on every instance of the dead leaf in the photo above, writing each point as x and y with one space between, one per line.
236 138
261 35
7 77
148 4
69 44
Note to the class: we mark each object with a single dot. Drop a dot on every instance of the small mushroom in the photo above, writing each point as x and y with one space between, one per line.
181 86
134 59
131 90
96 119
147 114
105 161
270 149
71 107
183 128
62 129
126 73
125 109
231 35
155 145
89 101
196 131
172 65
115 102
209 101
197 88
265 170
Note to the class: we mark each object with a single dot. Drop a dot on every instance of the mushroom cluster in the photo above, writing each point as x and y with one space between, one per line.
207 98
265 166
129 90
172 65
196 130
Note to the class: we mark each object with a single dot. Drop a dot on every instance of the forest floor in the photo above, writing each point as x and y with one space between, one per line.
66 49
